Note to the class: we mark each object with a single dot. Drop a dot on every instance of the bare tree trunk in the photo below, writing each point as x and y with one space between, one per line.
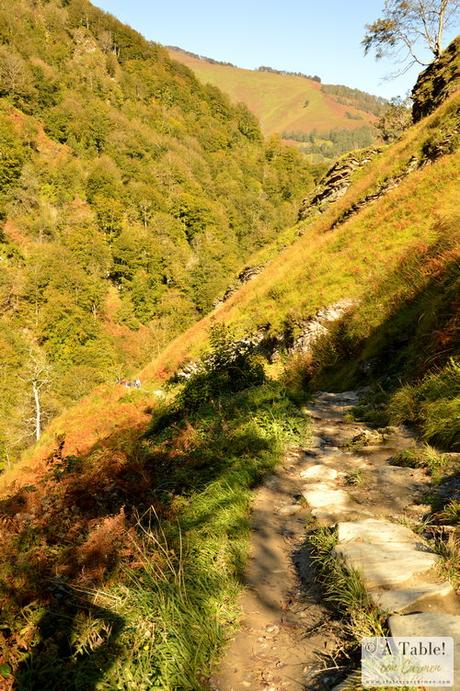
442 17
38 411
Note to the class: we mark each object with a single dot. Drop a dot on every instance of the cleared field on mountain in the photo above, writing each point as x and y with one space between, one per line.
282 103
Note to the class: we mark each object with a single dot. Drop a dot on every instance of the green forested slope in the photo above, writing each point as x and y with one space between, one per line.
124 532
130 193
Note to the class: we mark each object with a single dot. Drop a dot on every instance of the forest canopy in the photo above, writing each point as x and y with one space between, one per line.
130 195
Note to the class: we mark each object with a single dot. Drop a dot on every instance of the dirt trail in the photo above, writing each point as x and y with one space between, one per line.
286 632
280 605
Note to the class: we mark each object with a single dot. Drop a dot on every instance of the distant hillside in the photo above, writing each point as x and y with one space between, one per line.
289 104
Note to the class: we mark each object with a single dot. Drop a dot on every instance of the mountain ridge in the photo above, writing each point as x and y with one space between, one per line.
290 104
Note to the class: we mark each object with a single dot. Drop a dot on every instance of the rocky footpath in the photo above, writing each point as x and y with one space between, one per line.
375 506
288 638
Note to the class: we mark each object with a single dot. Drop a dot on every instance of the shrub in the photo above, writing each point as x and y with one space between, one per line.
231 366
433 404
297 375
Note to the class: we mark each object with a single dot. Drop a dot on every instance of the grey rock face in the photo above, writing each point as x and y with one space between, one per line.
317 326
335 183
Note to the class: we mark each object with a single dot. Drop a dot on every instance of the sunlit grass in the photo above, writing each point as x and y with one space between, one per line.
277 100
344 590
321 267
163 615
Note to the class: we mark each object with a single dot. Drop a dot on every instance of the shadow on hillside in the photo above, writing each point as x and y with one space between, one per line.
79 525
53 661
419 334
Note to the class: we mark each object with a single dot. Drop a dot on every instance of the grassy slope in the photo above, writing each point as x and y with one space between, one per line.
71 525
276 99
321 267
101 588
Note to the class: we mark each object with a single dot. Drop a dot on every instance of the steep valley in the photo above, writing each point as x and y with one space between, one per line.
178 295
131 194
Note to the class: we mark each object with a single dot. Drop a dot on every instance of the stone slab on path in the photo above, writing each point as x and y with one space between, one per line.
384 566
283 635
329 505
427 624
319 472
386 554
375 531
409 595
393 562
321 495
430 624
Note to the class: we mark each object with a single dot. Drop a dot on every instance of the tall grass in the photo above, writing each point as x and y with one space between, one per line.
161 617
433 404
344 590
193 602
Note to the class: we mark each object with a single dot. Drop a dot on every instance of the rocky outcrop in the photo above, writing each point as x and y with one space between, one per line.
335 183
246 275
445 140
314 327
437 82
384 187
433 86
340 177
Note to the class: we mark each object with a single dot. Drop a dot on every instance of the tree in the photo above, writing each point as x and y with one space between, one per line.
407 26
37 376
395 120
15 80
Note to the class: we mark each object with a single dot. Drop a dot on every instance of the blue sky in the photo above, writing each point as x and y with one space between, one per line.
307 36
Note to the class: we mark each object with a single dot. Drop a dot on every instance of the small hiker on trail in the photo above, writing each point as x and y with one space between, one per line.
136 384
